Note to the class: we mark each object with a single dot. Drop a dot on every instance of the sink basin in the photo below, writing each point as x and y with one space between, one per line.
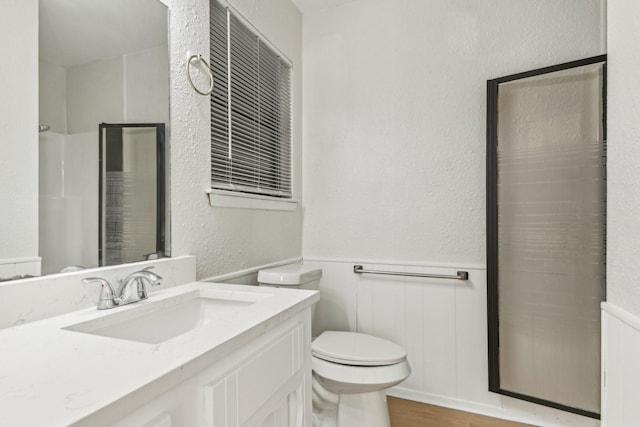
153 322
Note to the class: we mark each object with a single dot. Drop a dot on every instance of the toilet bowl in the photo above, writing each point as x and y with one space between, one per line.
351 370
356 368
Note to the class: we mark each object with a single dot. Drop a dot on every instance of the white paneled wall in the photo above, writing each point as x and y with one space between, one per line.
621 376
442 324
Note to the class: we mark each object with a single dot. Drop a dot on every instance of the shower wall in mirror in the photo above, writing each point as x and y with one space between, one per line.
100 61
546 233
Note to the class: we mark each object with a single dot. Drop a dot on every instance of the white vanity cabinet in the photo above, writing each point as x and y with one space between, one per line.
203 355
265 382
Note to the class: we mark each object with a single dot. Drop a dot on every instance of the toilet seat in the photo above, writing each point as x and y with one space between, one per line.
340 378
356 349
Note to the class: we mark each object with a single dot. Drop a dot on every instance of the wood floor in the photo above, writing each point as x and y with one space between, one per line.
406 413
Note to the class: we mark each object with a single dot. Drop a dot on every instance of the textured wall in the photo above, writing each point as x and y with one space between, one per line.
225 239
394 117
623 249
19 129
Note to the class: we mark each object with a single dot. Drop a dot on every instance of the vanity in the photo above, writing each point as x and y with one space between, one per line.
199 354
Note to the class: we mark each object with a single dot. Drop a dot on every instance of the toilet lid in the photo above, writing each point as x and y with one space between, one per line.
352 348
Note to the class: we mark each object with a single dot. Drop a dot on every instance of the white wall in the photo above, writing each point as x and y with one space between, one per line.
394 170
19 129
95 94
621 376
52 95
68 203
146 82
394 117
623 247
621 315
225 239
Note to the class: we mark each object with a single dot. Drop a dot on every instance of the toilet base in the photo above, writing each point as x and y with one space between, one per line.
363 409
349 409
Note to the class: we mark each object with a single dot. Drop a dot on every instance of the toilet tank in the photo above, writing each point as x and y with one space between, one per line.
297 275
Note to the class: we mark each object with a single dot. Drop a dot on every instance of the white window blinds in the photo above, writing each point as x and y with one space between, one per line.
250 110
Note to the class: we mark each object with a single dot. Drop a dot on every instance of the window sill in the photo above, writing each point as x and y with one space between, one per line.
230 199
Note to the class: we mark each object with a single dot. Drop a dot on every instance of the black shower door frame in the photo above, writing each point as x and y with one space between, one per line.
160 181
492 222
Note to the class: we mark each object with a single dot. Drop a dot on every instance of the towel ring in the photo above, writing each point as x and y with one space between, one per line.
208 91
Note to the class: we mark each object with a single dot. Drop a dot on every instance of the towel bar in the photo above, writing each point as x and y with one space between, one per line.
460 275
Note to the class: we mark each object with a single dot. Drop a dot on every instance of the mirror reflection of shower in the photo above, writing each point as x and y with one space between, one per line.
114 70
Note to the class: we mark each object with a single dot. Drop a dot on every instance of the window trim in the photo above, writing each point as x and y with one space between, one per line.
233 199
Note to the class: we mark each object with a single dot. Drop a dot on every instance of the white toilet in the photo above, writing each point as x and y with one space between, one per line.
350 370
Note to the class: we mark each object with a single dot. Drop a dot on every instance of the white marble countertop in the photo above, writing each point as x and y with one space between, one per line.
56 377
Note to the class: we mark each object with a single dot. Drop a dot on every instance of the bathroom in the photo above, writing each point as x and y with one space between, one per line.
361 86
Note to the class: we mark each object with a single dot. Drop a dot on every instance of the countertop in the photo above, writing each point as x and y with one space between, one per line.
57 377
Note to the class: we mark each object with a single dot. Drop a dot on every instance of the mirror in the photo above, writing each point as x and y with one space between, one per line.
100 62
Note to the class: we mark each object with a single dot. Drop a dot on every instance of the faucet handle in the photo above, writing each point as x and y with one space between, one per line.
155 278
106 299
151 277
149 268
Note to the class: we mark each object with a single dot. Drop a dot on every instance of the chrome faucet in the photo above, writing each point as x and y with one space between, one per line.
130 289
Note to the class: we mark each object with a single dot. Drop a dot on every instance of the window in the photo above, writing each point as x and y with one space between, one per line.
250 110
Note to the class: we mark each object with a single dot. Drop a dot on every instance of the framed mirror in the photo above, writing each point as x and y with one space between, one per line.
131 192
100 62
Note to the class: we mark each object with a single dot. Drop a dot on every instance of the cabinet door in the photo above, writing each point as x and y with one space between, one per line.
289 413
176 408
267 390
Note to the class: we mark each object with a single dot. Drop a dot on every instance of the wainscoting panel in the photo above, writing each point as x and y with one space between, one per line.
442 324
472 342
418 314
621 371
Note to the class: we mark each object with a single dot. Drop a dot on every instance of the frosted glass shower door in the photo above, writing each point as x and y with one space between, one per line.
546 234
132 190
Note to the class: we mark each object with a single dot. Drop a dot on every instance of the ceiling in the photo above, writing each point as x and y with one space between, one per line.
306 6
74 32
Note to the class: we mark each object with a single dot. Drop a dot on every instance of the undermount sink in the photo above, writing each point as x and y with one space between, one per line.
154 322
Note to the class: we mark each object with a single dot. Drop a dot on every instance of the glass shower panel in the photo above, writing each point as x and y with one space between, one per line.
551 218
132 231
132 187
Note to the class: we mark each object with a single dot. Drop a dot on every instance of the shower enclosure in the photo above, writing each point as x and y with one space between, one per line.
546 233
131 192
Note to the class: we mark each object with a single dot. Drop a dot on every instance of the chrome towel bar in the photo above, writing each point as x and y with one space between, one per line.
460 275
